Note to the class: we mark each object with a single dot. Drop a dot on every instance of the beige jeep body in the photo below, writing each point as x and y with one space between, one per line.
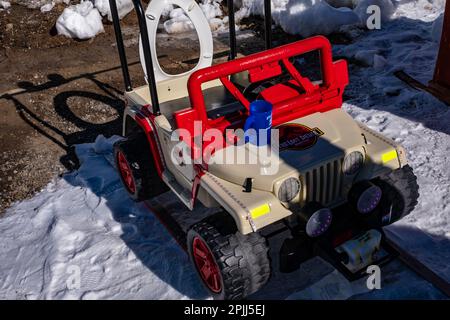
318 167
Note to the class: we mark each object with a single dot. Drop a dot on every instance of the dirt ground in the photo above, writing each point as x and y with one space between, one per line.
56 92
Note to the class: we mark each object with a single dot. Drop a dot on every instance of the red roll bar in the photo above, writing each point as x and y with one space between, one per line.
259 60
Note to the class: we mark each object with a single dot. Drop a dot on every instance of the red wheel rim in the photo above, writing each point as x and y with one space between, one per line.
125 172
206 265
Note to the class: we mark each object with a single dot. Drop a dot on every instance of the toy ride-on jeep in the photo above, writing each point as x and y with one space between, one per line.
335 185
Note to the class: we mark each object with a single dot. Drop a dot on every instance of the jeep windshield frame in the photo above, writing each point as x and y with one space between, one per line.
266 64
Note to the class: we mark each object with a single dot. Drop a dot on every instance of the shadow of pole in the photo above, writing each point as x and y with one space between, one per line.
62 107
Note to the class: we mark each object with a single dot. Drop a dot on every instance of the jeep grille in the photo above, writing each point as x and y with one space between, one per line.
324 183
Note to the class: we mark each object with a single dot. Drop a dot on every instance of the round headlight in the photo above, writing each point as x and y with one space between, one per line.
353 163
316 219
365 196
319 222
369 199
288 189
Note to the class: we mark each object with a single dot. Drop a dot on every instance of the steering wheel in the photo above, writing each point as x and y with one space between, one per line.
244 96
252 91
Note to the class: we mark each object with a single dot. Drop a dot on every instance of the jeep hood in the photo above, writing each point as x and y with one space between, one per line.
304 143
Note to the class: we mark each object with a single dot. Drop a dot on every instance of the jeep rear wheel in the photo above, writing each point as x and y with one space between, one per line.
136 168
230 265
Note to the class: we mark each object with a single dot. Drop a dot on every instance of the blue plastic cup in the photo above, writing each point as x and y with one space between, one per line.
260 120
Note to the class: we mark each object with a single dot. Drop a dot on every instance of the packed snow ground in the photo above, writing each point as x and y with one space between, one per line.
84 224
83 238
415 119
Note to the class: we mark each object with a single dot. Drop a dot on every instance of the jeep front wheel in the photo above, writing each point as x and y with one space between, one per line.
400 193
230 265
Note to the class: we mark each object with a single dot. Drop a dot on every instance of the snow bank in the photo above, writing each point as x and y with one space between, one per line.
411 40
178 22
123 7
81 21
310 17
320 18
423 10
84 20
5 5
304 17
47 7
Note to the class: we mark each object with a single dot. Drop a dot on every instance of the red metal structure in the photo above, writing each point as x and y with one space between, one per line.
295 98
440 84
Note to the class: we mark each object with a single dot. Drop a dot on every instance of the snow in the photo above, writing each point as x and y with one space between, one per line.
81 21
320 18
5 5
415 119
123 7
37 4
178 21
303 17
422 10
86 224
47 7
84 21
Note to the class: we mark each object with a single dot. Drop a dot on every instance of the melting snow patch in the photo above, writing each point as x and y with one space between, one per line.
178 22
123 7
47 7
308 17
320 18
5 5
81 21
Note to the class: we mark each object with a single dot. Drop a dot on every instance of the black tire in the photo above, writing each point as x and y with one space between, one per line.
137 153
400 194
242 260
